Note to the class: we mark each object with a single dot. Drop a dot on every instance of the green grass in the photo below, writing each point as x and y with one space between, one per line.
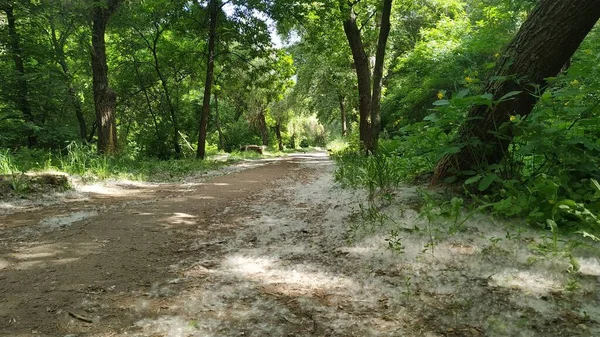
7 165
338 145
81 160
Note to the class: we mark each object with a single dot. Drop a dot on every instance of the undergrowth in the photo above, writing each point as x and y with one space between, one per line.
549 177
83 161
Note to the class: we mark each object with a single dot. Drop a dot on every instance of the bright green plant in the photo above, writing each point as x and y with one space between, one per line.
6 163
395 242
18 181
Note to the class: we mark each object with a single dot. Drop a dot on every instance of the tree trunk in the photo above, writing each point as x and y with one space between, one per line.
278 135
384 33
369 85
22 98
344 117
363 73
262 125
105 99
59 49
214 7
544 44
218 123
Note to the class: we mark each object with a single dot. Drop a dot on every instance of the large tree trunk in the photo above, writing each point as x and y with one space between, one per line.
105 99
369 85
363 73
58 44
546 41
22 98
344 117
213 6
378 73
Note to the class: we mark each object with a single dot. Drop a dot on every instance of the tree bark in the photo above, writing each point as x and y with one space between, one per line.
22 98
544 44
363 73
369 85
59 49
262 125
214 6
218 122
384 33
278 135
105 98
344 117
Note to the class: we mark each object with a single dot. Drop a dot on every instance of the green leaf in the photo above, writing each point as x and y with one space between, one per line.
575 264
432 118
588 235
452 150
485 183
462 93
441 102
509 95
596 185
552 224
473 180
487 97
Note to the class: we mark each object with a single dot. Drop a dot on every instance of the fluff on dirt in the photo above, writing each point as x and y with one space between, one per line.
313 262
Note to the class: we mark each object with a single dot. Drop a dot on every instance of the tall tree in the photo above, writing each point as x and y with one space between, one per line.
369 83
22 97
105 98
214 7
542 47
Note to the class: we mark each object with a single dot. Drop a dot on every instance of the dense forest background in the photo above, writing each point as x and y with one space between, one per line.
499 97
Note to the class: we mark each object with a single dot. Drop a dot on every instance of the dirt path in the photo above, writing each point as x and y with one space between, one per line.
123 256
264 252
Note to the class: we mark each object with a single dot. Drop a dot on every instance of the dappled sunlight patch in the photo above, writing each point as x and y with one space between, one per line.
144 213
462 249
45 255
526 281
25 265
8 206
103 190
170 326
589 266
358 250
267 271
201 197
65 260
540 304
182 219
43 250
231 307
205 184
119 188
247 265
62 221
28 256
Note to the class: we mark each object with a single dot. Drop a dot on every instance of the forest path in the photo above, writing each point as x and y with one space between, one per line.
276 248
158 260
